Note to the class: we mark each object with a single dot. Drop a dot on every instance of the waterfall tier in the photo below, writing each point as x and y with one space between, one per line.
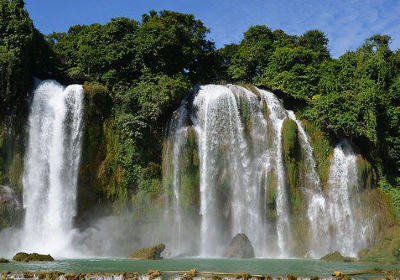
51 168
236 161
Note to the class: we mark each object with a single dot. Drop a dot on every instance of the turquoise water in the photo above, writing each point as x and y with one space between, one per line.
255 266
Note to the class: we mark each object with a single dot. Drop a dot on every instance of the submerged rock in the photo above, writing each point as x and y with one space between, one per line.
337 257
240 247
150 253
34 257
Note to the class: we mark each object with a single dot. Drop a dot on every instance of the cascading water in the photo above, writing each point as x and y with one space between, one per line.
178 134
316 208
242 178
349 228
51 168
216 110
277 114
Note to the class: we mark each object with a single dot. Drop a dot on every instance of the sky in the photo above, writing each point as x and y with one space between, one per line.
347 23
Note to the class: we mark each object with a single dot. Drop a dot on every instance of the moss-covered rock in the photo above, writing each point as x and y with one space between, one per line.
367 173
34 257
100 174
292 156
271 195
10 209
190 174
295 173
4 260
363 253
385 251
240 247
11 163
377 206
337 257
150 253
323 147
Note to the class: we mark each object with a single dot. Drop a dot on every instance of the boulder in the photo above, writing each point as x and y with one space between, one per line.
240 247
34 257
337 257
150 253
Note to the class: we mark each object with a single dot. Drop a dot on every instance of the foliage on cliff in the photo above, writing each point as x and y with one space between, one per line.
23 54
146 67
136 73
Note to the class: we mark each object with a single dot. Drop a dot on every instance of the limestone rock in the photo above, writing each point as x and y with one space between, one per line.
240 247
150 253
34 257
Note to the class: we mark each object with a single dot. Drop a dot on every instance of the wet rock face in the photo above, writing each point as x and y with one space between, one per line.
385 251
34 257
150 253
240 247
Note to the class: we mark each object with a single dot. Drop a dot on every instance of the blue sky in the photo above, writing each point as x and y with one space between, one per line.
346 22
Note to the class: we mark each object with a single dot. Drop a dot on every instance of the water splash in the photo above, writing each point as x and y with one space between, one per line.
51 168
317 202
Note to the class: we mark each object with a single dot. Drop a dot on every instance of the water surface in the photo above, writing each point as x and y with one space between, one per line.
275 267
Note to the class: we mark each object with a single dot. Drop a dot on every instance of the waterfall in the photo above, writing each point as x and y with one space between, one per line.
243 184
177 132
220 131
316 208
51 167
277 115
348 228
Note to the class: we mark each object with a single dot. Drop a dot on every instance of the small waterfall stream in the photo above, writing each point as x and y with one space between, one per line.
277 114
349 228
241 167
51 167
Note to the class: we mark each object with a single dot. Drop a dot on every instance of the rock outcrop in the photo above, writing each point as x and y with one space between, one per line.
150 253
240 247
34 257
337 257
385 251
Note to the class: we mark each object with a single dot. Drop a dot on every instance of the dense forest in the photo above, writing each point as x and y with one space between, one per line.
135 74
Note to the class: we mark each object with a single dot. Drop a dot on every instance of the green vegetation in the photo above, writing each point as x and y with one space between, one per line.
355 96
135 74
336 257
34 257
146 68
385 251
